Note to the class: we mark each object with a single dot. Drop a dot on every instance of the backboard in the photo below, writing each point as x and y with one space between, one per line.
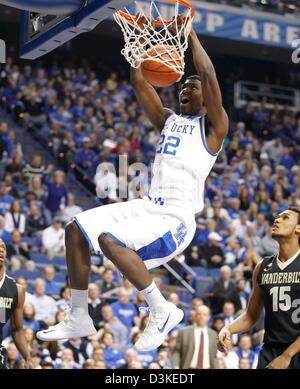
41 33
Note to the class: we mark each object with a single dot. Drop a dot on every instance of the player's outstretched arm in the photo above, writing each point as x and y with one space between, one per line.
247 319
211 94
16 325
148 99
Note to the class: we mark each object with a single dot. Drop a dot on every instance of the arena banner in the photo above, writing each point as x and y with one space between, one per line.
243 24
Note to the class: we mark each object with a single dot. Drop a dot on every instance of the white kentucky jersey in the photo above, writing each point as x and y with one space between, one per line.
182 163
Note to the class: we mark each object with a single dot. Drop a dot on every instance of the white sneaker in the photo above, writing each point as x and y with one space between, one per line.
75 325
161 320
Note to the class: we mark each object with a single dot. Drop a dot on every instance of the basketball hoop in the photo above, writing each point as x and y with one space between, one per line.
142 33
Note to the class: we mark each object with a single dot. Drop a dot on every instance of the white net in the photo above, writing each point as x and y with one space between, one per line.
146 33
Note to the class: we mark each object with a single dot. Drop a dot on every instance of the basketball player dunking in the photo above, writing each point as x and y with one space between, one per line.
12 298
144 233
276 288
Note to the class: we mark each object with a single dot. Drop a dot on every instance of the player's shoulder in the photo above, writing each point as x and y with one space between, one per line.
10 279
267 262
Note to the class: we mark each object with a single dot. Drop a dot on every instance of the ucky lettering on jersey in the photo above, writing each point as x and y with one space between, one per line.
281 278
5 302
183 128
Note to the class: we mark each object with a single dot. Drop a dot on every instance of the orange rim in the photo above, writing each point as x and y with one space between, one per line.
131 18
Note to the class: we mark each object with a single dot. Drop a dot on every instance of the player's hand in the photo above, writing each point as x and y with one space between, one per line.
281 362
28 364
224 340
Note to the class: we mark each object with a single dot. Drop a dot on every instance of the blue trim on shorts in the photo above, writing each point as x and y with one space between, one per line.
160 248
113 237
84 233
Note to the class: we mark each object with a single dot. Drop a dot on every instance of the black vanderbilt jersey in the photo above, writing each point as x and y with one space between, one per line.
281 295
8 300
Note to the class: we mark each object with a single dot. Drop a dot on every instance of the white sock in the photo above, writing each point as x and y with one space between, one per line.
79 299
153 296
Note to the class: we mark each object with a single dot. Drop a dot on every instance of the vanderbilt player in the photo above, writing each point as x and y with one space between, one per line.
12 298
276 288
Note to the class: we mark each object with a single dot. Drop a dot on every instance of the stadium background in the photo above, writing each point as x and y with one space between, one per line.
75 108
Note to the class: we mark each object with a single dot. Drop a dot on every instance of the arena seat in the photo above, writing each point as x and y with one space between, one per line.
202 284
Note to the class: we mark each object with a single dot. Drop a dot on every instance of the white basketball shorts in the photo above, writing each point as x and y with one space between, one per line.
154 231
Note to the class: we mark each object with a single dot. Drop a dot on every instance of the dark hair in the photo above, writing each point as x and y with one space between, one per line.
194 77
296 209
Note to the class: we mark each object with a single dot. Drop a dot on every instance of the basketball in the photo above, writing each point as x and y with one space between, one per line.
157 73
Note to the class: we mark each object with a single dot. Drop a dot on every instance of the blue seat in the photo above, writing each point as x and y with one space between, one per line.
202 285
29 275
215 272
59 261
60 277
200 271
40 258
184 295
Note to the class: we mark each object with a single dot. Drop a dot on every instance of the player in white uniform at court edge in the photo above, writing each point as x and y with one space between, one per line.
144 233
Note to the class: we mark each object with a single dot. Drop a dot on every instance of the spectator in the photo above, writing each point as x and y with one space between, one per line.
53 239
228 315
70 210
52 288
241 286
34 169
4 234
98 354
163 359
13 357
85 158
6 145
233 359
15 219
6 199
35 186
106 284
113 325
44 305
57 194
124 310
240 226
66 360
222 290
35 221
29 320
81 349
95 305
18 253
65 298
130 357
106 183
212 252
244 363
113 358
196 345
268 246
23 282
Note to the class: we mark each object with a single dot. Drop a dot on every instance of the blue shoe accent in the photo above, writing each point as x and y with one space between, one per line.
164 326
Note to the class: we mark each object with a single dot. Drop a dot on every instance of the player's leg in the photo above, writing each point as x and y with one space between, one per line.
146 242
163 315
81 234
78 263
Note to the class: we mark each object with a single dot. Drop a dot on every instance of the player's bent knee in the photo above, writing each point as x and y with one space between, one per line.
107 244
104 240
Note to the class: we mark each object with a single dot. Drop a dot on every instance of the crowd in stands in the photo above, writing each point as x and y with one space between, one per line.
275 6
86 118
